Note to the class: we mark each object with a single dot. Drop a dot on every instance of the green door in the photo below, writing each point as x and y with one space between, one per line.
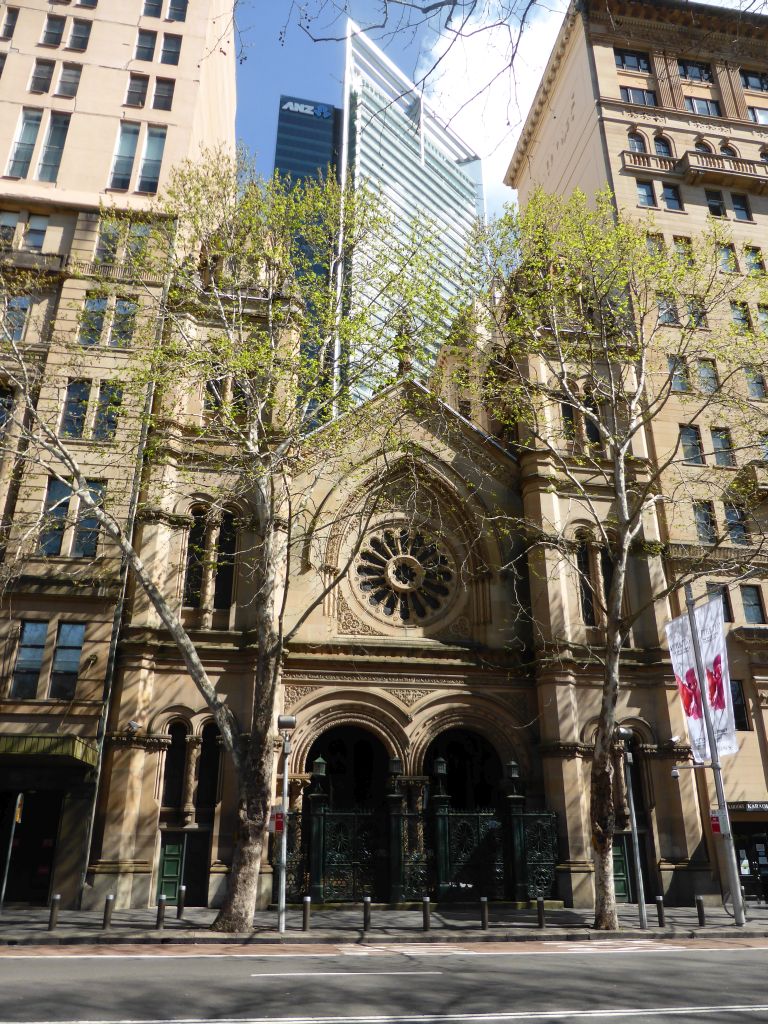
171 865
622 879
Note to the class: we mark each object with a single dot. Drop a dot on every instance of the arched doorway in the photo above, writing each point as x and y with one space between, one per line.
355 765
473 769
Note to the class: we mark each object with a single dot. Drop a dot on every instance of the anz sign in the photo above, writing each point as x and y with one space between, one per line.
321 110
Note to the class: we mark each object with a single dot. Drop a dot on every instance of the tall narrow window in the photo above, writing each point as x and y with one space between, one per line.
8 222
29 660
690 443
569 421
53 32
86 541
125 155
636 143
715 202
720 590
697 313
736 524
171 49
109 240
723 446
752 602
79 34
145 45
53 150
42 76
668 310
23 147
107 411
740 317
6 406
137 91
740 712
9 22
75 409
123 323
69 81
756 386
149 175
177 10
753 257
92 321
193 578
55 512
727 259
34 235
208 769
175 761
662 146
741 207
163 99
671 196
645 194
704 518
15 318
225 563
153 8
591 427
586 589
66 660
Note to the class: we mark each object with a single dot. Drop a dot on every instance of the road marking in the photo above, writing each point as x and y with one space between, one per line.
440 1018
338 974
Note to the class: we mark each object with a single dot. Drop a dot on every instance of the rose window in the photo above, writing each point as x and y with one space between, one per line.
403 575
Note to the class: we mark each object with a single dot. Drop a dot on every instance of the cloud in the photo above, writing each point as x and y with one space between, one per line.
485 100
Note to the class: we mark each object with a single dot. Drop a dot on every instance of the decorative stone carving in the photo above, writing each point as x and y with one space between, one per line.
566 750
410 695
349 623
152 744
459 629
293 694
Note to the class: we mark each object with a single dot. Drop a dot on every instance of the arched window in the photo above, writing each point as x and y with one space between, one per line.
702 147
728 150
586 581
636 143
175 760
208 769
193 578
210 564
591 428
662 146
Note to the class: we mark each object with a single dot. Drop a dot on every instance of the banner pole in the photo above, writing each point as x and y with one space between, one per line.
732 870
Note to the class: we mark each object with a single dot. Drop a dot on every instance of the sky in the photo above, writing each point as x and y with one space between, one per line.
276 62
277 57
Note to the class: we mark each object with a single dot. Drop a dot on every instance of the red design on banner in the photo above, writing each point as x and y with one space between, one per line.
715 679
690 694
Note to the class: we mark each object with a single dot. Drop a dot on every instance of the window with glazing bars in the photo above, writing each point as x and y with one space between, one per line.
107 411
177 10
42 76
55 511
9 22
75 409
79 35
125 156
21 154
752 602
15 316
29 660
53 31
86 539
145 45
736 524
149 174
722 445
69 81
123 323
704 518
163 98
171 50
53 149
92 320
66 660
137 91
690 444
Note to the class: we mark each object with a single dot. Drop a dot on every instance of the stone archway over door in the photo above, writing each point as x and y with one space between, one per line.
473 769
355 766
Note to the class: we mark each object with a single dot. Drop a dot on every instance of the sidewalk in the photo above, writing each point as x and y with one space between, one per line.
25 926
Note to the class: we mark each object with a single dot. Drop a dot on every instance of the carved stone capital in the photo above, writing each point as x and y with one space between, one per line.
566 750
152 744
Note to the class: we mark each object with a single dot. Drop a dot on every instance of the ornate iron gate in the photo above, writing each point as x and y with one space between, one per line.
354 856
475 856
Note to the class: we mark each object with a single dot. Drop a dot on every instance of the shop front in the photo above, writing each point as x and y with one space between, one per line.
749 821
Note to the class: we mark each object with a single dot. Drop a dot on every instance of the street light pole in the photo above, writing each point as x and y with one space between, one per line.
285 723
732 870
628 760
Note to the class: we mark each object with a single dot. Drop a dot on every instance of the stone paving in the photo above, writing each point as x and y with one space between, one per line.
449 923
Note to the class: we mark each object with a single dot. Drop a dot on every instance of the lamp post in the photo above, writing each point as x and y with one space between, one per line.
732 870
627 759
285 724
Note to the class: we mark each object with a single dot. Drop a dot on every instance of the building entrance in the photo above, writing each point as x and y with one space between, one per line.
184 860
34 844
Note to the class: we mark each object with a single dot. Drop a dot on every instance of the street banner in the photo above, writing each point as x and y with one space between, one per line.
710 625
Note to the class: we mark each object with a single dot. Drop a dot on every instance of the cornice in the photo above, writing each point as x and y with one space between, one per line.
127 740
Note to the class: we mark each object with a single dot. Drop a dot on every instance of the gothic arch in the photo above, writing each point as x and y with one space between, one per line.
639 726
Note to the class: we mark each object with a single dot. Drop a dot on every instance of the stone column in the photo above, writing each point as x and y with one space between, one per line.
190 778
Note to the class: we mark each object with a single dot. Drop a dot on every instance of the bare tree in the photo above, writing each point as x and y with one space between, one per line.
241 348
624 372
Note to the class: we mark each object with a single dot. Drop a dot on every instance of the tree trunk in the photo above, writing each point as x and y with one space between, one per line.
254 802
603 810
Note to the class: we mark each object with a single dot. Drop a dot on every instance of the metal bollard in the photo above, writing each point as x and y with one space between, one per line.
53 917
540 910
109 906
161 901
484 913
366 913
306 913
700 911
426 912
181 902
660 911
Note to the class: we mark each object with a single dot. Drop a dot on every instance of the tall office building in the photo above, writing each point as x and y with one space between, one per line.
666 103
98 101
387 135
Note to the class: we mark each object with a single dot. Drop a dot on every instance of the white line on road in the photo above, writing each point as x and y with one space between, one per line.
337 974
440 1018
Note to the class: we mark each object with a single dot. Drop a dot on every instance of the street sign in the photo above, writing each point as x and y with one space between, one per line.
714 821
277 820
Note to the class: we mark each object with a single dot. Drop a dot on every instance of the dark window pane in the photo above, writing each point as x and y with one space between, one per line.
171 49
86 539
636 143
175 760
741 209
723 446
177 10
752 600
208 773
755 383
720 590
678 374
80 34
586 592
645 193
690 443
632 60
671 196
75 408
740 711
736 525
225 562
193 579
145 45
107 411
123 323
29 660
704 517
66 660
55 513
662 146
715 202
92 322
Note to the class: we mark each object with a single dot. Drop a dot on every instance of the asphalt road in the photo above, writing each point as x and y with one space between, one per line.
643 982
